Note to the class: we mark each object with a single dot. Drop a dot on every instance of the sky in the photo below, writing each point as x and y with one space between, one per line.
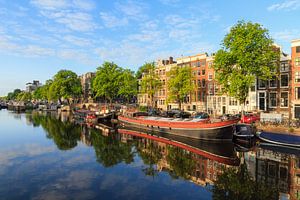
40 37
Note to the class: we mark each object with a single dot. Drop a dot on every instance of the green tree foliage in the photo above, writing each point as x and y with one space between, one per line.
66 84
24 96
110 150
64 134
13 95
128 87
180 83
107 81
238 184
247 52
42 93
150 82
181 162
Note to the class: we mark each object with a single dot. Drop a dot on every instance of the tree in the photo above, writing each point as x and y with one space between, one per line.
66 84
180 83
150 82
128 86
13 95
24 96
107 81
247 53
42 93
238 184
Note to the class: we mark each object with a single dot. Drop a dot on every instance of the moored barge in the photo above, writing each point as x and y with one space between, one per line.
193 128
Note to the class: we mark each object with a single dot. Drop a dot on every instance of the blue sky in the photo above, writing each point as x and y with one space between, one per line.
40 37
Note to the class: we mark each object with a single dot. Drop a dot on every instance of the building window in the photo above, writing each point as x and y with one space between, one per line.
284 80
297 93
199 83
210 87
203 72
273 99
232 101
297 61
273 82
203 82
199 95
284 66
198 72
261 84
210 76
298 49
284 99
210 64
297 77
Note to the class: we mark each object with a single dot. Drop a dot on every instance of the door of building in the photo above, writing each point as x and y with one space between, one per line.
262 100
224 110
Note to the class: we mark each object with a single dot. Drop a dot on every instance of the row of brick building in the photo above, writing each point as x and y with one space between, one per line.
280 94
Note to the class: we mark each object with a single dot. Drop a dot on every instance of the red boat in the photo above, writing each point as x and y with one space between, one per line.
203 129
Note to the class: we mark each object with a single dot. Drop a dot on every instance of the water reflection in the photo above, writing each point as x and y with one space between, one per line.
264 172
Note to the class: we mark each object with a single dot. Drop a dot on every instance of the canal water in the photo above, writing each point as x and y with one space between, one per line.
52 156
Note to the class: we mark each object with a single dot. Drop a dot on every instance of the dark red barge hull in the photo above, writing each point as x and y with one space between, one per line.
219 131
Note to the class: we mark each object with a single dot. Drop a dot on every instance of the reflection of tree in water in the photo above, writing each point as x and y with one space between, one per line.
64 134
150 153
237 183
181 162
110 150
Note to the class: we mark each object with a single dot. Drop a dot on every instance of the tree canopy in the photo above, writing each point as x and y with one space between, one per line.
66 84
107 81
150 82
13 95
180 83
247 53
128 87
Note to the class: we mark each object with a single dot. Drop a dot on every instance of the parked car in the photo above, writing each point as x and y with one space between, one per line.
171 113
183 114
201 115
250 118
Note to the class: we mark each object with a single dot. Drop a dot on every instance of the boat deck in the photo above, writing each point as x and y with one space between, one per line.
165 119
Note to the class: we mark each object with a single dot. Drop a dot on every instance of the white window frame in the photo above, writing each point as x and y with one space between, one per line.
270 104
287 79
259 84
281 100
276 83
210 74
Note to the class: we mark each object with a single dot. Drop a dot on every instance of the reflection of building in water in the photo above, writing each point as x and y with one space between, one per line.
295 177
205 171
85 136
279 170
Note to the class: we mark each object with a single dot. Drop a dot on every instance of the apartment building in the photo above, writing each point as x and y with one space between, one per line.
86 81
295 82
30 87
273 95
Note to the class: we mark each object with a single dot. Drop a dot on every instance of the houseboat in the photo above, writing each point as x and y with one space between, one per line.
204 129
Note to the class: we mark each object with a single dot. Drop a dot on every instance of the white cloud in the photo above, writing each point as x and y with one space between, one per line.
134 10
50 4
72 14
84 4
77 41
170 2
286 5
111 21
77 21
286 35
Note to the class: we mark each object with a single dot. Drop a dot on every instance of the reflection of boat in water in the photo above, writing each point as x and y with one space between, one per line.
244 133
220 152
280 148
